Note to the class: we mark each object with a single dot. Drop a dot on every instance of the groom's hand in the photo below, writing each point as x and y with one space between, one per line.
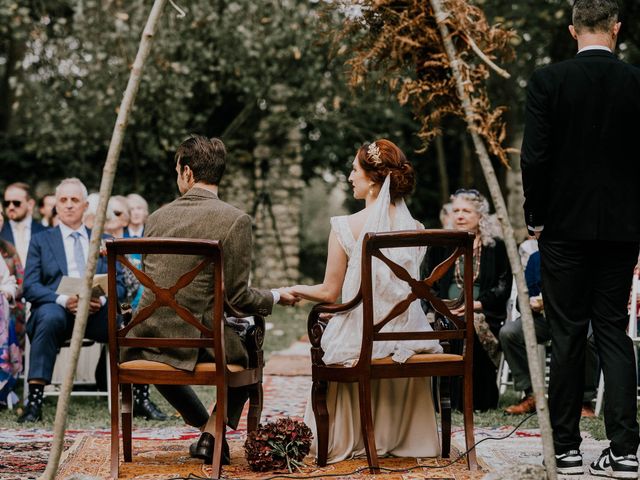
287 297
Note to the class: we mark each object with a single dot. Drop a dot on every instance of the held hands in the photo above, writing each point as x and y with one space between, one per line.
72 305
287 296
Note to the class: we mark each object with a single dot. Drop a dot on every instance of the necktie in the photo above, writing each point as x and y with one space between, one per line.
21 244
78 254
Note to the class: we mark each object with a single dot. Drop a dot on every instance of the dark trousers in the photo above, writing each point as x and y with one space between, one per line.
515 353
184 399
582 281
49 327
485 390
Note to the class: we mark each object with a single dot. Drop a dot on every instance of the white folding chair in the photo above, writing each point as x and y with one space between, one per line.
87 362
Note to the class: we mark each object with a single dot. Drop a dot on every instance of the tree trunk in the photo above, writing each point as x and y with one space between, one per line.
512 249
106 185
441 158
466 163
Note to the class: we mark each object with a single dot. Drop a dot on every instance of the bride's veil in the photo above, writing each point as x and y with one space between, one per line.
387 288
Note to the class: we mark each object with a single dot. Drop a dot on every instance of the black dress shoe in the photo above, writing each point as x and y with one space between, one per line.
32 413
148 410
203 449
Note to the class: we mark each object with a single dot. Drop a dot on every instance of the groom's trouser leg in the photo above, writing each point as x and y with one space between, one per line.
612 284
184 399
575 291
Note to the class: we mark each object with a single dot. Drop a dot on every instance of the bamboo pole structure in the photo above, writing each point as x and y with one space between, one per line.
512 249
106 185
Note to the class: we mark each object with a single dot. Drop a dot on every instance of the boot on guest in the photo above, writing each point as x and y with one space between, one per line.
143 406
33 410
526 405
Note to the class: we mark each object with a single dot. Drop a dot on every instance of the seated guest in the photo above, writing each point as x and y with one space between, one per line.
45 208
120 208
491 288
18 204
18 310
513 346
57 252
138 213
10 355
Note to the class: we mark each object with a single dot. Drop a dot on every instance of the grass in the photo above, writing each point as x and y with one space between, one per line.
286 326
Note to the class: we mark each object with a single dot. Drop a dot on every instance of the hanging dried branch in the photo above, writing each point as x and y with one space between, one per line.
398 33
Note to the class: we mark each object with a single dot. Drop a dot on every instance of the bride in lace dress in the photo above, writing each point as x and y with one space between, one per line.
403 411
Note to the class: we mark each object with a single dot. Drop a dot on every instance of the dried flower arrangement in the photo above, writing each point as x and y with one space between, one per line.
278 445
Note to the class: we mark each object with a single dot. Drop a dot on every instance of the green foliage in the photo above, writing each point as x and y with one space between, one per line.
221 70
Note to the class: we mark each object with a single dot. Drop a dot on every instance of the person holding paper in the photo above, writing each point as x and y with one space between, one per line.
53 255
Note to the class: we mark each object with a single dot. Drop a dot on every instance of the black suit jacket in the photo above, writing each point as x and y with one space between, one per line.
7 234
580 166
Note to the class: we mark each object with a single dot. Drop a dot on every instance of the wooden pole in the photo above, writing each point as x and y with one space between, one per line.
510 242
106 185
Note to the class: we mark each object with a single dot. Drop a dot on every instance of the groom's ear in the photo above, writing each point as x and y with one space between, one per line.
572 31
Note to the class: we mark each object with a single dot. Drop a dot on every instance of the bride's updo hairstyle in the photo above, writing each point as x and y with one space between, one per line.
383 157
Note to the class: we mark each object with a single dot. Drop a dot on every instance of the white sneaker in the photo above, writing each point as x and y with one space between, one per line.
608 465
569 463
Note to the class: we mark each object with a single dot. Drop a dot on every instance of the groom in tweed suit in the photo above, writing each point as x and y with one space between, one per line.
199 213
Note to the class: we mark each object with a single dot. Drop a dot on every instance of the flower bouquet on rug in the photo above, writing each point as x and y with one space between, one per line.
278 445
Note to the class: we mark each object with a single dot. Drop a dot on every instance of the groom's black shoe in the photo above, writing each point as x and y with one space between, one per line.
203 449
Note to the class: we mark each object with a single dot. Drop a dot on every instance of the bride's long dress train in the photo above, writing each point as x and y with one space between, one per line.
403 412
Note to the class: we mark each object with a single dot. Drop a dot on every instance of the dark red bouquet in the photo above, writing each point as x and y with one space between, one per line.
278 445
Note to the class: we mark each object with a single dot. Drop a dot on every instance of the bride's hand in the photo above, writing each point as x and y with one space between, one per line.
287 296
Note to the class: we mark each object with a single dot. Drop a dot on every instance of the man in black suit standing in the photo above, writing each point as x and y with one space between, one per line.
580 171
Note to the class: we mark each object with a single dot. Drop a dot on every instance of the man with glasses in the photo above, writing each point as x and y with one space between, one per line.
20 227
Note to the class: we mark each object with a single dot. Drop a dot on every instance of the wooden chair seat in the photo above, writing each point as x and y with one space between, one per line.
150 365
420 358
441 366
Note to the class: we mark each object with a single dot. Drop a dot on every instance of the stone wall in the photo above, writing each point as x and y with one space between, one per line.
272 194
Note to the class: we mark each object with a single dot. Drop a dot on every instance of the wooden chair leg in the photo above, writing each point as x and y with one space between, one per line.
220 424
444 394
127 413
255 407
115 430
319 404
366 420
468 423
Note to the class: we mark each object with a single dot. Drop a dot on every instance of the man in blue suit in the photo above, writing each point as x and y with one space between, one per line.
54 253
20 227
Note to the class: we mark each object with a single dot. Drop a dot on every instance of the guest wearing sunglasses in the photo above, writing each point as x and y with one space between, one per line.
18 205
491 288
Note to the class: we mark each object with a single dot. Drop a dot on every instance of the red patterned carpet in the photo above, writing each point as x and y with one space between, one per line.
162 453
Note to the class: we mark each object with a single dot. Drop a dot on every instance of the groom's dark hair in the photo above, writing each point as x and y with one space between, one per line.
595 15
204 156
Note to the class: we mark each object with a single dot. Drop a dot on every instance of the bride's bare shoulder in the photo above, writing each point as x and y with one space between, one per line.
357 221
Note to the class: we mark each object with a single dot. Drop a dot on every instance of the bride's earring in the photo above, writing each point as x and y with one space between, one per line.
371 190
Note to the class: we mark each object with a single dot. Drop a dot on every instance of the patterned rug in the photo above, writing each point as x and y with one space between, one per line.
165 459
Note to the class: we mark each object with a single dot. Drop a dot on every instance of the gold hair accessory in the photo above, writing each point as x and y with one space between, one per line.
374 152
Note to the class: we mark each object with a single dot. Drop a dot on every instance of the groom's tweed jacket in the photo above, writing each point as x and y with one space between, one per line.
199 214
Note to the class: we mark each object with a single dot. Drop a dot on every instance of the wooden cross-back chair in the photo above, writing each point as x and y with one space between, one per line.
442 365
218 373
